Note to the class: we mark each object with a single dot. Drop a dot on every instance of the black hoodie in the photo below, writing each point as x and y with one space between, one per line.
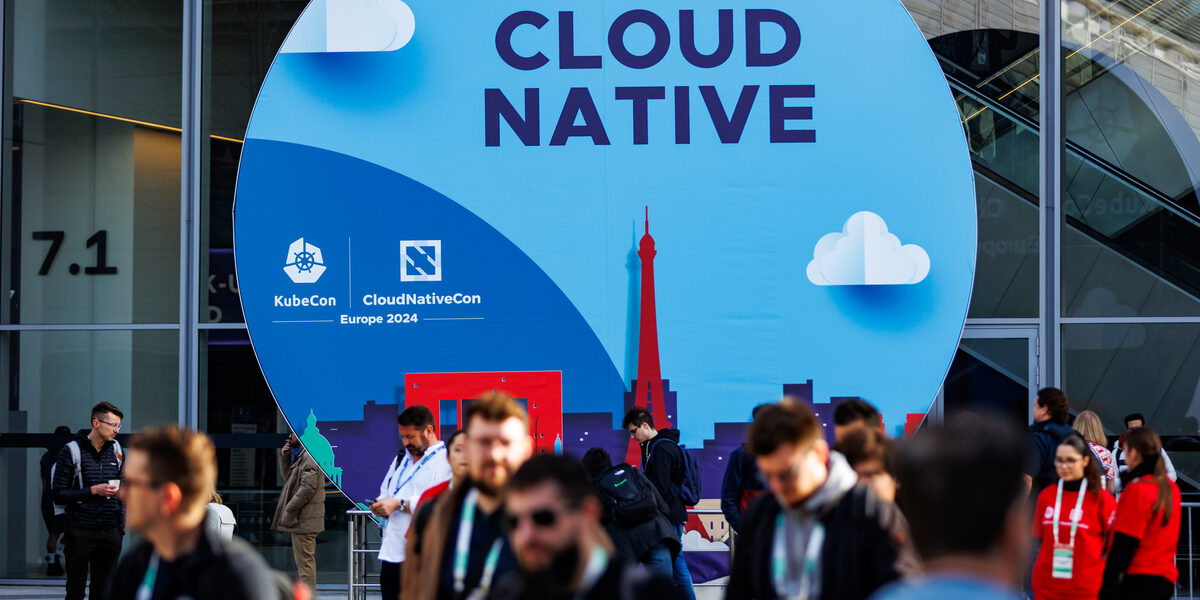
662 461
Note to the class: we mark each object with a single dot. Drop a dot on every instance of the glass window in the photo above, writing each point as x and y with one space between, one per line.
241 38
239 412
92 221
52 379
1131 85
1153 369
991 64
992 376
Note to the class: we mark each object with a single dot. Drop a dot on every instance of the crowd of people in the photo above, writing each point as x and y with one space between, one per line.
975 508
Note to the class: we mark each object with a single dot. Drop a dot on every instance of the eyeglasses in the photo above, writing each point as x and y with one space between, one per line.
785 477
116 425
546 517
129 482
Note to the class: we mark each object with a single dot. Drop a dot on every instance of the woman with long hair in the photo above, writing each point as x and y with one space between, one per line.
1072 521
1088 425
1145 530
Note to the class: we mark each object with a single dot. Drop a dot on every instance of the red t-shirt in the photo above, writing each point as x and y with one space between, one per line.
1088 571
1156 551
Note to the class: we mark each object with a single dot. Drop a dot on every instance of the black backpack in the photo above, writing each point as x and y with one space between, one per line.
629 496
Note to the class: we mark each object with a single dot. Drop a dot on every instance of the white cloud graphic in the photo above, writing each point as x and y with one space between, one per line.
864 253
352 26
694 542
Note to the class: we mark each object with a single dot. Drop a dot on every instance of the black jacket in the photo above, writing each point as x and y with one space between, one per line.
1044 439
216 568
83 509
620 581
632 542
663 463
866 546
741 474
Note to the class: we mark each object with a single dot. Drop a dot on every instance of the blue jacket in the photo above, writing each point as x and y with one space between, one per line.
741 473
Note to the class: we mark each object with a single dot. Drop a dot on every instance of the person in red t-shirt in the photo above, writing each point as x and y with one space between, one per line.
1072 521
1145 530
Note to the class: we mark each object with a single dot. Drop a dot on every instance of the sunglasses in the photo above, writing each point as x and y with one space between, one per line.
541 518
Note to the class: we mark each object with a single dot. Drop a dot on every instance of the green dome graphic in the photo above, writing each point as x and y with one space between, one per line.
320 449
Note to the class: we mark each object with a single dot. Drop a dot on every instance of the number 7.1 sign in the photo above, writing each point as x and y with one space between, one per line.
98 239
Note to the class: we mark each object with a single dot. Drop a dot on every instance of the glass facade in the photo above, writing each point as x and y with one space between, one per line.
123 127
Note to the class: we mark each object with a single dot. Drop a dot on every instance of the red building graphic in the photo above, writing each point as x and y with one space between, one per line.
448 395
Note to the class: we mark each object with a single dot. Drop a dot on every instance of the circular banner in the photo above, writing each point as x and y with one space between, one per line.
695 207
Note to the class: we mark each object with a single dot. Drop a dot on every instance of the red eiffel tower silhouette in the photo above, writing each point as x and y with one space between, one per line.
649 392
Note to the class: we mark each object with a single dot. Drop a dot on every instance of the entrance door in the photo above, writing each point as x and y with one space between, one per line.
994 371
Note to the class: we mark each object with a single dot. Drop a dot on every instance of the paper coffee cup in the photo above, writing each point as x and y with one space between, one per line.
115 483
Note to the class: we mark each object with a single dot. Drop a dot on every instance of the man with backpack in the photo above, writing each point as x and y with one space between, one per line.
634 514
81 487
674 473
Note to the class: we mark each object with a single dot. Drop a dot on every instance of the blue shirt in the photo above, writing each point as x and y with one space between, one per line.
941 587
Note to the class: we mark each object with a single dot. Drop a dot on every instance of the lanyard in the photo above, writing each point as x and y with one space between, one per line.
1075 516
812 556
596 564
462 549
404 465
145 591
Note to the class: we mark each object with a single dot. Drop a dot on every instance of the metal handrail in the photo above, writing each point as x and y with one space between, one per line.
357 586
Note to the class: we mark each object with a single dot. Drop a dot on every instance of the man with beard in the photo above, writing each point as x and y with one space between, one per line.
553 524
421 465
462 552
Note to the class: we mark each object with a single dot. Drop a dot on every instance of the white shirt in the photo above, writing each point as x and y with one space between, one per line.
408 479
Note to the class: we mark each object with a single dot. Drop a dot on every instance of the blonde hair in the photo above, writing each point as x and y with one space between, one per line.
1088 425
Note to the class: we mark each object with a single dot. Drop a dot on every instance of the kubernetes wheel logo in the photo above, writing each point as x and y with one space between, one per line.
304 263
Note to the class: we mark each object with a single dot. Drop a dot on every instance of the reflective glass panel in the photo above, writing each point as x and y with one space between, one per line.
52 379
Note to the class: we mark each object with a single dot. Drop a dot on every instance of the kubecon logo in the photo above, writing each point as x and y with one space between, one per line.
304 263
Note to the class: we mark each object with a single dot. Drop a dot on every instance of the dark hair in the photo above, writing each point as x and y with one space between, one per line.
788 422
180 456
1055 401
862 445
959 484
417 417
856 409
105 408
596 461
568 475
636 416
756 410
495 406
450 440
1092 470
1134 417
1149 449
